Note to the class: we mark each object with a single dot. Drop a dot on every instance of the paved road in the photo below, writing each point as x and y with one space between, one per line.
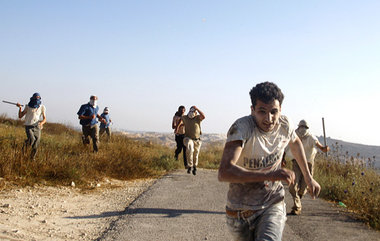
183 207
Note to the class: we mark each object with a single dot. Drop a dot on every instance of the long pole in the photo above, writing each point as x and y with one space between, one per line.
324 132
12 103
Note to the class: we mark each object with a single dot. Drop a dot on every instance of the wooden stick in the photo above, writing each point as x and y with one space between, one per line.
324 132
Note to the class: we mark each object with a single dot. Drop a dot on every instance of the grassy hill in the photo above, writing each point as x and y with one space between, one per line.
62 159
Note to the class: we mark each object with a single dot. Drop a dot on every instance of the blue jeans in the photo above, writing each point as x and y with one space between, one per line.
266 224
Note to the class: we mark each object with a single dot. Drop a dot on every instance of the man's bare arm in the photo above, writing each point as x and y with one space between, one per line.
21 112
321 147
178 125
299 154
201 114
230 172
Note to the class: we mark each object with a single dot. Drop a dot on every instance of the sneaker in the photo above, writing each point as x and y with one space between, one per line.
189 170
194 171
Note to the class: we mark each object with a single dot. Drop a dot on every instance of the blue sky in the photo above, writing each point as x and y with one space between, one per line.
145 58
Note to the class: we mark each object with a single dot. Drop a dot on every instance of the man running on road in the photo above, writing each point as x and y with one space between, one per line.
251 163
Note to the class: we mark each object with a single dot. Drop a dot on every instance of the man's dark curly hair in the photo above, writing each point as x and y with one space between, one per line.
266 92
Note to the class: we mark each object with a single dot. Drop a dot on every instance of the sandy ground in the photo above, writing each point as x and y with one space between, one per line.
65 213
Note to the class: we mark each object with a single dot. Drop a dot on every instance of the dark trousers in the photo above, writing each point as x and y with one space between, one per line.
180 147
93 132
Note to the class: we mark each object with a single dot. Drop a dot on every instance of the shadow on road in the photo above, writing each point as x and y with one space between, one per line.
169 213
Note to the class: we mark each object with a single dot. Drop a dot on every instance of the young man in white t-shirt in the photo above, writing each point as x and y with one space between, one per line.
251 163
33 112
310 144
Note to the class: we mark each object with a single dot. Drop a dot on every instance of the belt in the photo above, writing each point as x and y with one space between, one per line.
241 213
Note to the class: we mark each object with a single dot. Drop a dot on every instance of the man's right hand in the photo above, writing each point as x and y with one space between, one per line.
18 105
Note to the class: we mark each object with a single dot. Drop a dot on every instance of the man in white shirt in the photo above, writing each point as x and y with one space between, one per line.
33 112
310 144
251 163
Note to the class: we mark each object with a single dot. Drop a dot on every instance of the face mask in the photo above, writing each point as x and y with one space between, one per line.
93 102
34 102
191 114
301 132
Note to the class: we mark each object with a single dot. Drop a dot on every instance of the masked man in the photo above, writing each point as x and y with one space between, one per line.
33 123
105 126
192 140
310 144
87 115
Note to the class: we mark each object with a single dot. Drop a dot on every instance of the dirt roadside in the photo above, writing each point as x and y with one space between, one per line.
65 213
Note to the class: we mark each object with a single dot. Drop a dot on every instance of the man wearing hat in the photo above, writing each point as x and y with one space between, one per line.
87 115
310 144
33 112
105 125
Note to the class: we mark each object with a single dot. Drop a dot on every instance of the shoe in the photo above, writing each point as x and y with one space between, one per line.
295 212
194 171
189 170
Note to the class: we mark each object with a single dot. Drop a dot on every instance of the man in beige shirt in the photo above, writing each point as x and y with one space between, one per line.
310 143
192 140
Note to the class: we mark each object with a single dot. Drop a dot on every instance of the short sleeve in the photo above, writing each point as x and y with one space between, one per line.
241 130
43 109
292 132
81 110
315 139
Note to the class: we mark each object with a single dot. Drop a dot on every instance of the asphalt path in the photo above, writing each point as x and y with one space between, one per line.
182 206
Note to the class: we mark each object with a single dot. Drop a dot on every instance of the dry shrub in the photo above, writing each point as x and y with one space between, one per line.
354 185
62 158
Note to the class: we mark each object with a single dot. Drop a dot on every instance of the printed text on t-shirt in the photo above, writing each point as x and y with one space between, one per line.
261 162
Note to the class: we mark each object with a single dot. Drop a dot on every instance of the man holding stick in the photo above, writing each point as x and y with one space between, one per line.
33 123
310 144
251 163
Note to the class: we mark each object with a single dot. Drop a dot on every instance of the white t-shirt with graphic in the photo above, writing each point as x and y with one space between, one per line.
261 151
33 115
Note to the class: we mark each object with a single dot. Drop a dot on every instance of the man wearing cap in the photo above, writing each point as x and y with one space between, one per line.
33 112
310 144
105 125
87 115
192 140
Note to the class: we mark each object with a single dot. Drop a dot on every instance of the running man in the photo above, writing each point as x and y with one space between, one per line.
33 112
192 140
310 144
251 163
87 115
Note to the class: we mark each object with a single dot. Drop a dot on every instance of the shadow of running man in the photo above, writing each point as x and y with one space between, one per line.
168 213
